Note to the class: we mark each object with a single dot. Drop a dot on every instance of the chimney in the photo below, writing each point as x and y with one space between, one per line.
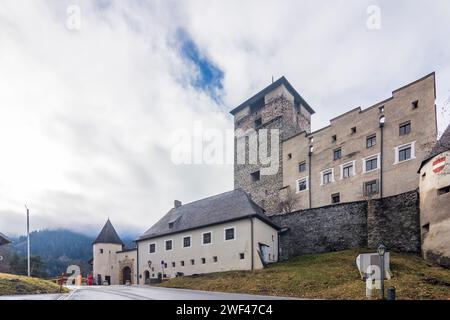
177 203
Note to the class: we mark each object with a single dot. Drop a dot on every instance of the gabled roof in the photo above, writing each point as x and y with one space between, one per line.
282 81
108 235
3 239
442 145
221 208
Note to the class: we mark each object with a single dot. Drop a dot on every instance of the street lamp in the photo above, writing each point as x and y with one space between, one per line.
28 240
381 122
381 251
162 266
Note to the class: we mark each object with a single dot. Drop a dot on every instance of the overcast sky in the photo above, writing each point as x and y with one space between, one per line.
87 110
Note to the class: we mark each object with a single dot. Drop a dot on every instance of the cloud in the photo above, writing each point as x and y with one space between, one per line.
86 116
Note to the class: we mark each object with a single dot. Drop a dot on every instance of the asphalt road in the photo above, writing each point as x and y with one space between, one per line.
139 293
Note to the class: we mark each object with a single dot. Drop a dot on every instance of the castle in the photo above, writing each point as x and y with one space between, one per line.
351 184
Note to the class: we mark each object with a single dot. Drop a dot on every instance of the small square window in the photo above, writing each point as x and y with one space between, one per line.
229 234
258 122
182 263
404 154
426 228
215 259
186 242
353 130
170 225
334 138
443 190
381 109
241 256
405 128
165 265
168 245
203 260
101 251
337 154
327 177
256 176
302 166
289 156
335 198
371 164
302 184
152 248
192 261
370 187
207 238
371 141
173 264
415 104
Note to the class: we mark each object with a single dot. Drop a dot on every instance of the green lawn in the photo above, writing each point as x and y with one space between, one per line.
325 276
13 284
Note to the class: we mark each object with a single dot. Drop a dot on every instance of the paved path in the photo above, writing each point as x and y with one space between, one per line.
140 293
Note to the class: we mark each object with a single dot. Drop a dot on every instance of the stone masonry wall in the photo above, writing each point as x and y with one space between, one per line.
392 221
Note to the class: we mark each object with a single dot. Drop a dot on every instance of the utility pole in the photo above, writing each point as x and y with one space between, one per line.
28 241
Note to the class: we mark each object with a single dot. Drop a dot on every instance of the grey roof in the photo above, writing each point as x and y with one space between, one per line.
297 97
3 239
228 206
442 145
108 235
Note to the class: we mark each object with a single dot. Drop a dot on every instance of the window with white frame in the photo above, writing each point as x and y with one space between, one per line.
302 184
348 170
371 163
152 248
187 241
207 238
229 234
327 176
405 152
169 245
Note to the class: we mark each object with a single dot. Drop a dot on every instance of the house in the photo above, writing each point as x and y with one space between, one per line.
220 233
435 202
3 239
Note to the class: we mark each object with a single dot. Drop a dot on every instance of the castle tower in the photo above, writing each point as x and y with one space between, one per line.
278 106
105 249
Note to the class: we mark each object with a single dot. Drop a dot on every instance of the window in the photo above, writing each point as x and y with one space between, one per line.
215 259
173 264
371 141
152 248
168 245
426 228
302 166
415 104
336 198
165 265
405 152
381 109
370 187
207 238
302 184
289 156
333 138
405 128
229 234
101 251
443 190
370 163
203 260
348 170
327 176
192 261
353 130
182 263
170 225
241 256
186 242
337 154
258 122
256 176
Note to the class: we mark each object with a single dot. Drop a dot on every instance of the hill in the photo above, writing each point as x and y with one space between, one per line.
325 276
13 284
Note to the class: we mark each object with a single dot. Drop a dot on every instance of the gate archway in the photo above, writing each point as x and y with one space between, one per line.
126 275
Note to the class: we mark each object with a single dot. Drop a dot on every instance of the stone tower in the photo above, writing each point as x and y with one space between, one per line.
278 106
105 249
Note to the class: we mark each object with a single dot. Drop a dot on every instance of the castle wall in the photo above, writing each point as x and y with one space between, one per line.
392 221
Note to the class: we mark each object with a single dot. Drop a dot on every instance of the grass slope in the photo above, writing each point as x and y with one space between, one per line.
325 276
13 284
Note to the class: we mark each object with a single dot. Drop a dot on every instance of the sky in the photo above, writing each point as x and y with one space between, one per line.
91 92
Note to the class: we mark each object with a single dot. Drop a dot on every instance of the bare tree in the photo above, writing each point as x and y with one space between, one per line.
287 203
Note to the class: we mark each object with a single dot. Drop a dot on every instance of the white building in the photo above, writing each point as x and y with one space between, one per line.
220 233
